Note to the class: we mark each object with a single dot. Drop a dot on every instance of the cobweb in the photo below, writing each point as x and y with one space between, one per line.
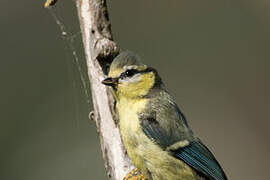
78 75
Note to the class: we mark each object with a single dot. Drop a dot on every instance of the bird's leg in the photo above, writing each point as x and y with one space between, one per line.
134 175
49 3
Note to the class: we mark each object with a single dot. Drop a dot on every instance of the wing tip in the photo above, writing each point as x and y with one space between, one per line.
202 160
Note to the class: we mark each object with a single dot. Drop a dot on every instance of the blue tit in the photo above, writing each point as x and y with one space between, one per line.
154 131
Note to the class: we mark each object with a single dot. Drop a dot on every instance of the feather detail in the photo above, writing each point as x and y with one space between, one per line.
200 158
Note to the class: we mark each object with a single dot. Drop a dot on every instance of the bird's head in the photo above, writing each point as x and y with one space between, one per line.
130 78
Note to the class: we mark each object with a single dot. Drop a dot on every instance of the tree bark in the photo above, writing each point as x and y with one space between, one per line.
100 49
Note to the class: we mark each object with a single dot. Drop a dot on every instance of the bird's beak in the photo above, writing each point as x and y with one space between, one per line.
110 81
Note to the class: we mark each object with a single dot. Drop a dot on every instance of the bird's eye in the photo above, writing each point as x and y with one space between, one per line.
128 73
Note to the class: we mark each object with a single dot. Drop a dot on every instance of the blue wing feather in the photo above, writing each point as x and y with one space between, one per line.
200 158
196 154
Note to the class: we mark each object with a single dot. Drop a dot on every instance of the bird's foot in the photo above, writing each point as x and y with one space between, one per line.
134 175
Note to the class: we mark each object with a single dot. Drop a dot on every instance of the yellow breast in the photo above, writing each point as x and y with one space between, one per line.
131 132
148 157
128 111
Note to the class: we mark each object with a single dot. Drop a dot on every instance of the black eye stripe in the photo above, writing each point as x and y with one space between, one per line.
132 72
129 73
149 69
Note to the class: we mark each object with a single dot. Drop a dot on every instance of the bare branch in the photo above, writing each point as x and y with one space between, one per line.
100 49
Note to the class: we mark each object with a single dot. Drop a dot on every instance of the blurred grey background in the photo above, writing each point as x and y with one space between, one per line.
213 56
